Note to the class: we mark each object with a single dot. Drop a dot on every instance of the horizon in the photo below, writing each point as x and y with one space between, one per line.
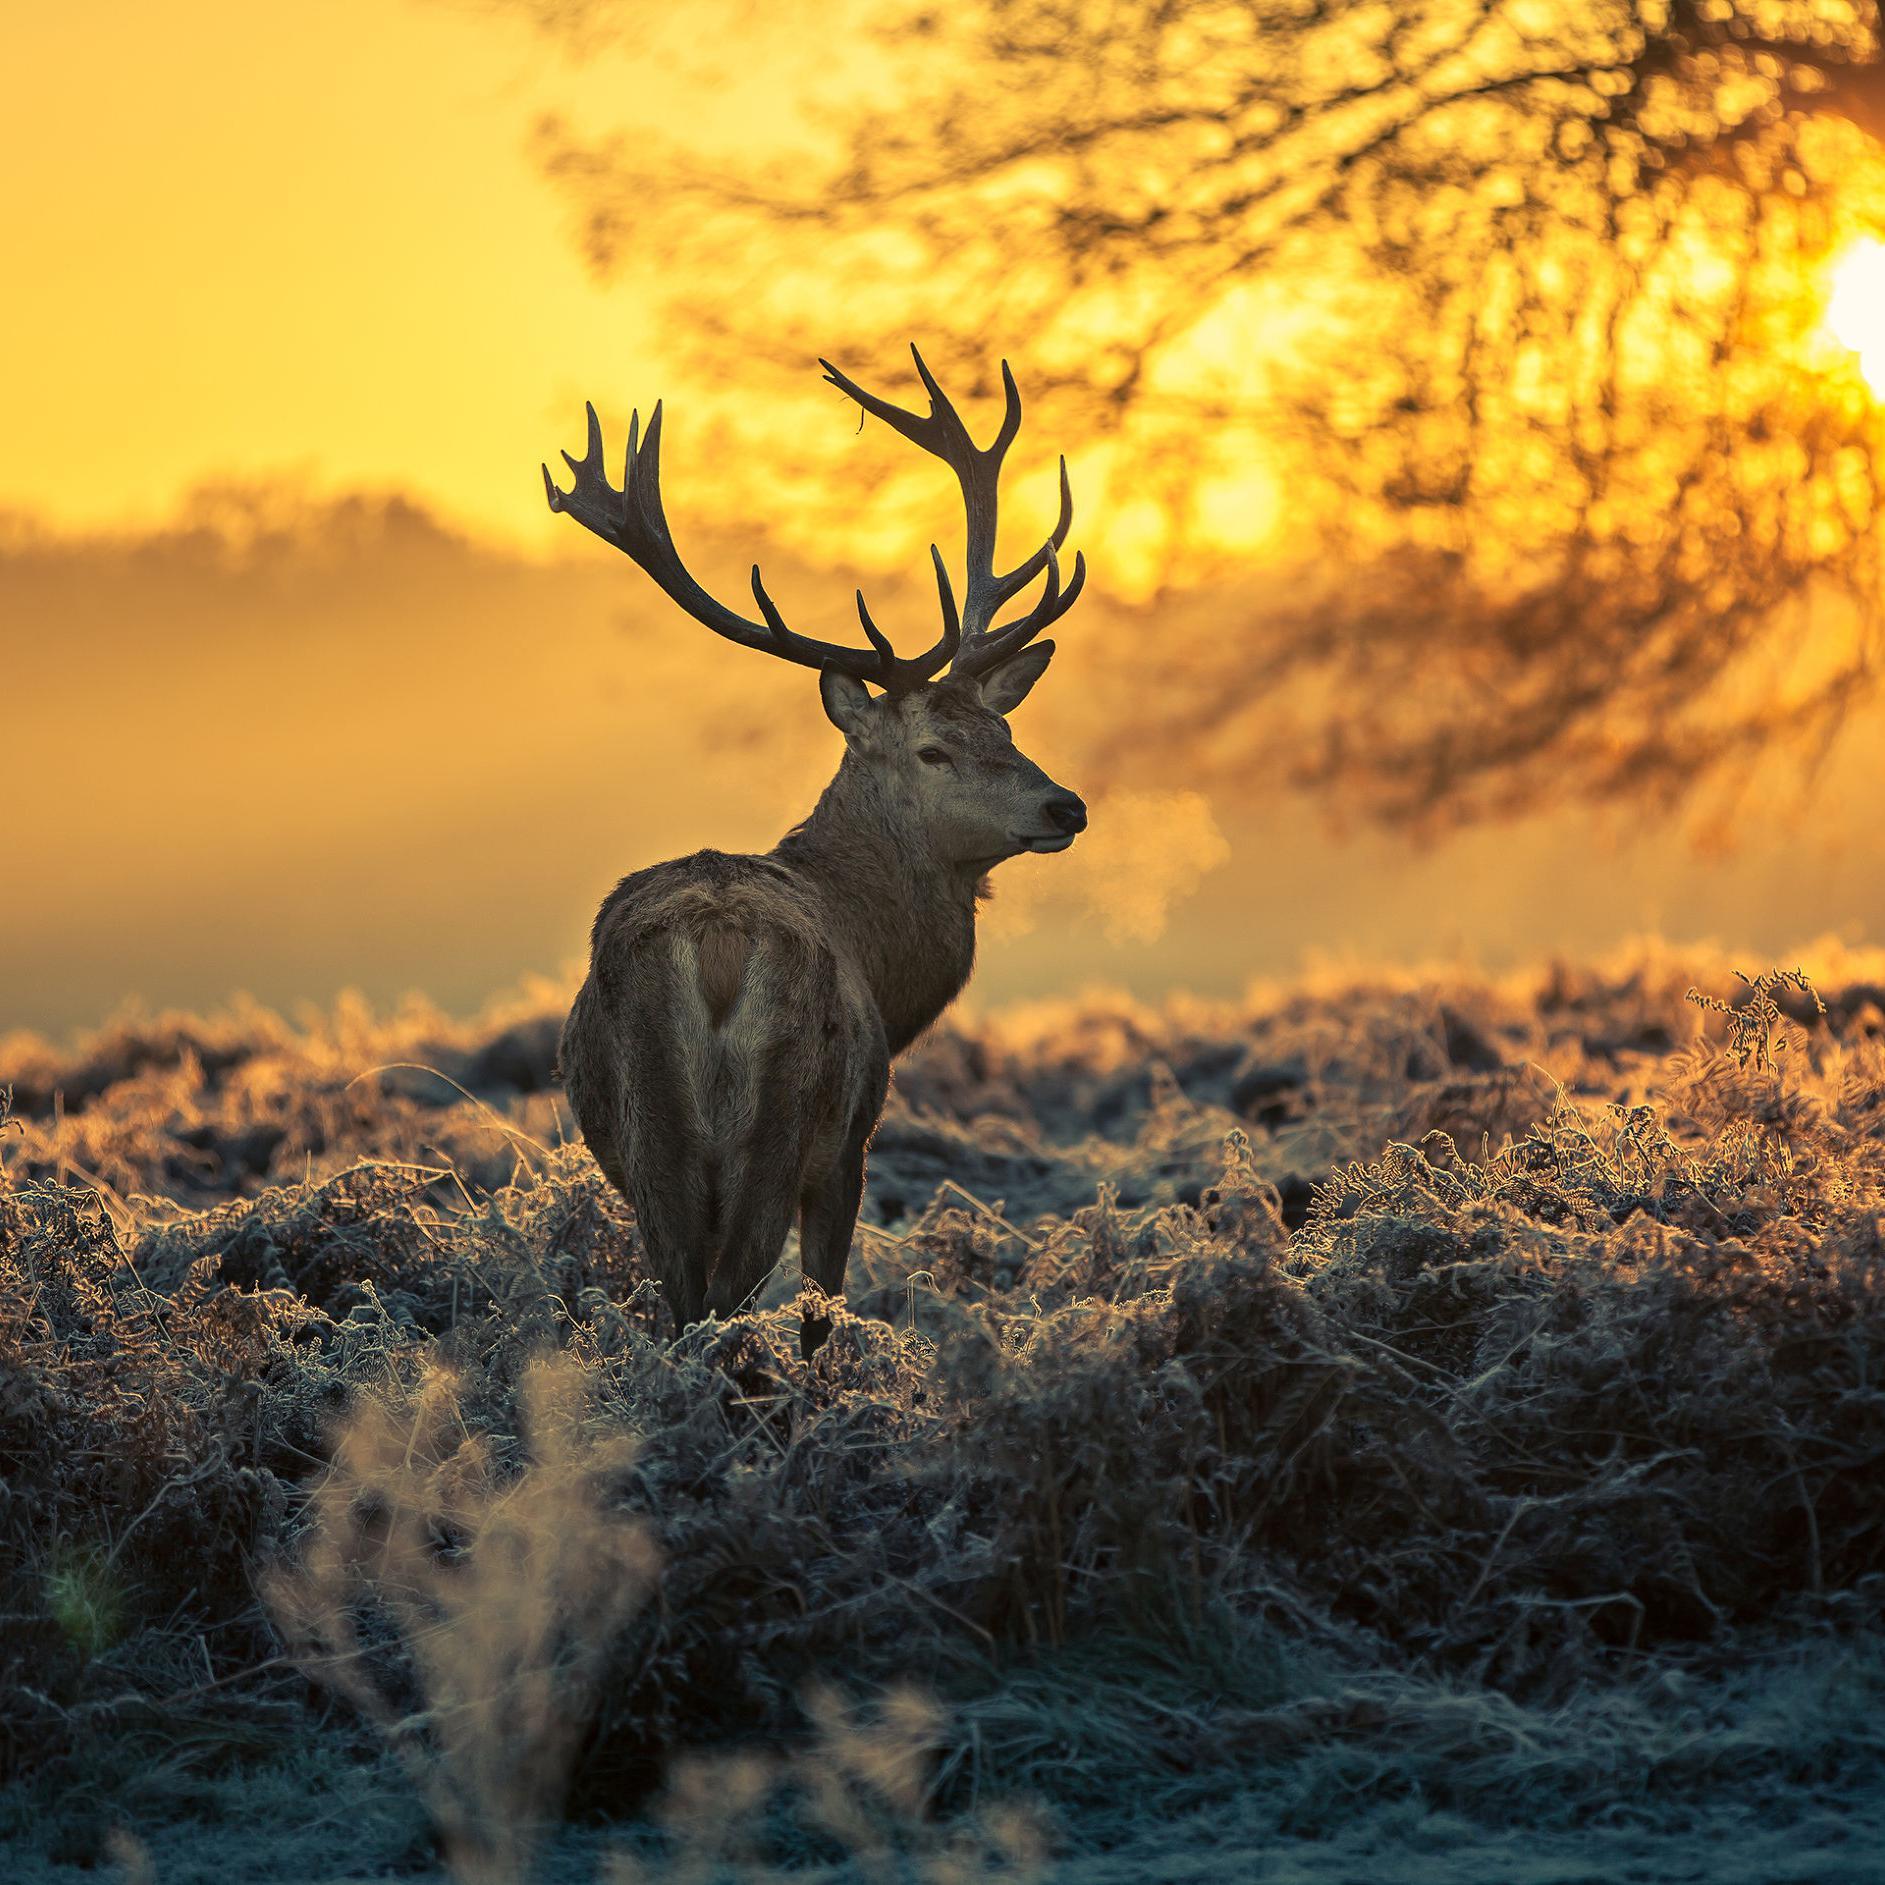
331 700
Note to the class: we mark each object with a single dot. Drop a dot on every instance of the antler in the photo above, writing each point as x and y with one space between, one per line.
976 645
633 520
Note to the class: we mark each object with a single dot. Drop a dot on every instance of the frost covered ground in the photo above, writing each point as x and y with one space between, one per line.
1390 1428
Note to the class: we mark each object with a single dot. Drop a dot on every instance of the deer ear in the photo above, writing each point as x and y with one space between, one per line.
847 702
1007 686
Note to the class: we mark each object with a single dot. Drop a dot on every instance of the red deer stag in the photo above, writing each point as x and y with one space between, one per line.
729 1053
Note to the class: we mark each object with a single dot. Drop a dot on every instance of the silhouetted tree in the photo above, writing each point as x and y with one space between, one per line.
1513 301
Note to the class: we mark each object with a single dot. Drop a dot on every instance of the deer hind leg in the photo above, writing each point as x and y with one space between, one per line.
714 1218
662 1143
670 1186
756 1218
827 1218
757 1163
828 1207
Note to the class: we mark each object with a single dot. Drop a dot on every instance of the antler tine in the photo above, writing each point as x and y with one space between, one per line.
952 622
878 639
992 646
634 521
1010 414
1013 636
775 622
939 431
1017 579
591 499
971 644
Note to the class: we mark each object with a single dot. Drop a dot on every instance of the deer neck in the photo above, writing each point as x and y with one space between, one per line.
904 916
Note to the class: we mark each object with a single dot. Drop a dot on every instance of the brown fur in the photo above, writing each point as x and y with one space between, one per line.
720 955
729 1054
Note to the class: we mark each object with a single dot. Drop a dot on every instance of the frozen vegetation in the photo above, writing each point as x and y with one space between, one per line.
1395 1427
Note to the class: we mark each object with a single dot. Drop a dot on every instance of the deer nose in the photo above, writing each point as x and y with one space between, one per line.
1065 812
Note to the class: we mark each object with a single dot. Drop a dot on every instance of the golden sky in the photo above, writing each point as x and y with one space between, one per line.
309 239
308 247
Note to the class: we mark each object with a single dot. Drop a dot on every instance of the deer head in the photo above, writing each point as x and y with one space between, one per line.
934 740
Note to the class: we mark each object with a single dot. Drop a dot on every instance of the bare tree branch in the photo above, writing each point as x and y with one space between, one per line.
1596 511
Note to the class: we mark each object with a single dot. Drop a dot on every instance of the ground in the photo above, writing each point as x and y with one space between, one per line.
1423 1427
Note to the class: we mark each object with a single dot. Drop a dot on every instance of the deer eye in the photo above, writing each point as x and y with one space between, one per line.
935 756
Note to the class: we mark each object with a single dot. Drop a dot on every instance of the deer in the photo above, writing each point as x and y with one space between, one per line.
728 1055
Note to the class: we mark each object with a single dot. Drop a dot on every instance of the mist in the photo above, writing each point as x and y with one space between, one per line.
288 745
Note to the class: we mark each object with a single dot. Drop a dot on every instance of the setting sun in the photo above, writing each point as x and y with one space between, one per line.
1855 309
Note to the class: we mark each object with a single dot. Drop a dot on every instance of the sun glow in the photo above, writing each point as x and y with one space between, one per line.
1855 309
